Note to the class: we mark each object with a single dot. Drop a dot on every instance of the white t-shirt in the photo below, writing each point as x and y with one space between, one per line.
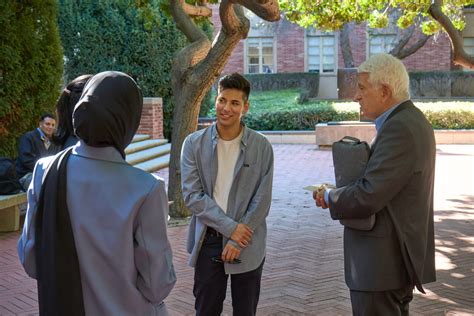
227 153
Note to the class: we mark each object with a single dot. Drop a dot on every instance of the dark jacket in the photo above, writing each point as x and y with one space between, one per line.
30 150
398 187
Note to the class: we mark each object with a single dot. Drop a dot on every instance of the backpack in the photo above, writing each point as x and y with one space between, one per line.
9 183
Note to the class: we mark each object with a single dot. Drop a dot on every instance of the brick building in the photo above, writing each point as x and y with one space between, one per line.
286 47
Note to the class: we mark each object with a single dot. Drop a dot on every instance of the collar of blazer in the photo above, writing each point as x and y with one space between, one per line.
405 105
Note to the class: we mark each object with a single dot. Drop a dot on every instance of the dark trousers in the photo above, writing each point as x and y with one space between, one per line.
383 303
210 283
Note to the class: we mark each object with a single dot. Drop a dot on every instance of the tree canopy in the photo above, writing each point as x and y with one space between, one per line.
431 16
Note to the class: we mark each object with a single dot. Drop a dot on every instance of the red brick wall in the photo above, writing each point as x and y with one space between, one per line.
434 55
151 122
236 60
289 47
290 54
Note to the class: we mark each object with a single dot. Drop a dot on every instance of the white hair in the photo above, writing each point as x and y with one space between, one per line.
390 71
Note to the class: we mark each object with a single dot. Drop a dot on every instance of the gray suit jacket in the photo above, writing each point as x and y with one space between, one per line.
397 186
118 217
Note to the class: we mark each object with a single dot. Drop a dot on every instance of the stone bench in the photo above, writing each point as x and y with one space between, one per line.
10 211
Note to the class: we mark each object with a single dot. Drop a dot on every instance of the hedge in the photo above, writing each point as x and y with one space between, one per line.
100 35
307 119
304 119
31 65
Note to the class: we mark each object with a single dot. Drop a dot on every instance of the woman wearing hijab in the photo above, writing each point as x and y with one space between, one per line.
64 136
95 230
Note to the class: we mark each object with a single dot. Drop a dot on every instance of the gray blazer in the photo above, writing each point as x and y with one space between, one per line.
118 217
397 186
249 197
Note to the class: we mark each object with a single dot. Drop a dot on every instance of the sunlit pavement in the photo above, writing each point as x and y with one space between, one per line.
303 272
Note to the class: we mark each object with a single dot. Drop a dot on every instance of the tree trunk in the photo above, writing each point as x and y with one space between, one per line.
346 46
196 68
185 117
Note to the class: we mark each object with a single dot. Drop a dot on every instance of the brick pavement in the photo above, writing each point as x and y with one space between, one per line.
303 273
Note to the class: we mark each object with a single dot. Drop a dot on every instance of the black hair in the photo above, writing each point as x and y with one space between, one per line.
46 115
235 81
65 106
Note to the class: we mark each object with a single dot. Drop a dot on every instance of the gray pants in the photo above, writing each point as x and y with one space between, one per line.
383 303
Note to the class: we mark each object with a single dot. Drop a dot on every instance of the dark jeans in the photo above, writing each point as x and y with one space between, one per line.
383 303
210 283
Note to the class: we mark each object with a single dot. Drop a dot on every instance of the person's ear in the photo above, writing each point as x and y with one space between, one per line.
246 107
386 92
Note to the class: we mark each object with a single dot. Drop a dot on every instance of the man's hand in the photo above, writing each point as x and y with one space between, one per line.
230 253
242 235
318 196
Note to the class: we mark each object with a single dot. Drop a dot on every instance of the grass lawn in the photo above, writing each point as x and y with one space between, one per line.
282 100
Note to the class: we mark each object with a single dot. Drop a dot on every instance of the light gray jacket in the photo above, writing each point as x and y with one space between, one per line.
249 197
118 217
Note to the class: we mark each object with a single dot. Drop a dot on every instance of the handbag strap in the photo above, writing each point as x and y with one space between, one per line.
350 139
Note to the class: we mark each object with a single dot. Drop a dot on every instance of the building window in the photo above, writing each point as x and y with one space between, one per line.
381 43
260 57
469 45
321 51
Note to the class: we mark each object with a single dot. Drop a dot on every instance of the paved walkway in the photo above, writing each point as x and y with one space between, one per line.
303 272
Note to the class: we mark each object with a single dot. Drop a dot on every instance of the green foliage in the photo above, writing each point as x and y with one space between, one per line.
297 119
332 15
99 35
451 119
30 67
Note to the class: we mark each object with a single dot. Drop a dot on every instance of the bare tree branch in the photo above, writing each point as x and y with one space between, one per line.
400 50
268 10
232 18
193 10
405 52
235 26
460 57
200 44
184 23
403 38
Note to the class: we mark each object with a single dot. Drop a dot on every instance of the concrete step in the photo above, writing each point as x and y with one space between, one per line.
144 144
140 137
154 164
148 154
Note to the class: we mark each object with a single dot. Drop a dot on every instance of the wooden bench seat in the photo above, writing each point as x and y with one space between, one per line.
10 211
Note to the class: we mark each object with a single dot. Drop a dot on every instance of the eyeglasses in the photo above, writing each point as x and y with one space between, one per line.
219 260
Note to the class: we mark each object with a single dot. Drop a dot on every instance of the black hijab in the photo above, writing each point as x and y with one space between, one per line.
108 114
109 111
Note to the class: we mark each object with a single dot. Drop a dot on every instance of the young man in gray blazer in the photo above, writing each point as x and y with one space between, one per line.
227 174
384 264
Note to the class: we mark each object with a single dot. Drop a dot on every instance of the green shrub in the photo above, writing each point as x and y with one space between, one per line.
451 119
30 67
306 119
297 119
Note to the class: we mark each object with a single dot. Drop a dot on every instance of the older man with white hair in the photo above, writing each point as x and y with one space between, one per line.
384 264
